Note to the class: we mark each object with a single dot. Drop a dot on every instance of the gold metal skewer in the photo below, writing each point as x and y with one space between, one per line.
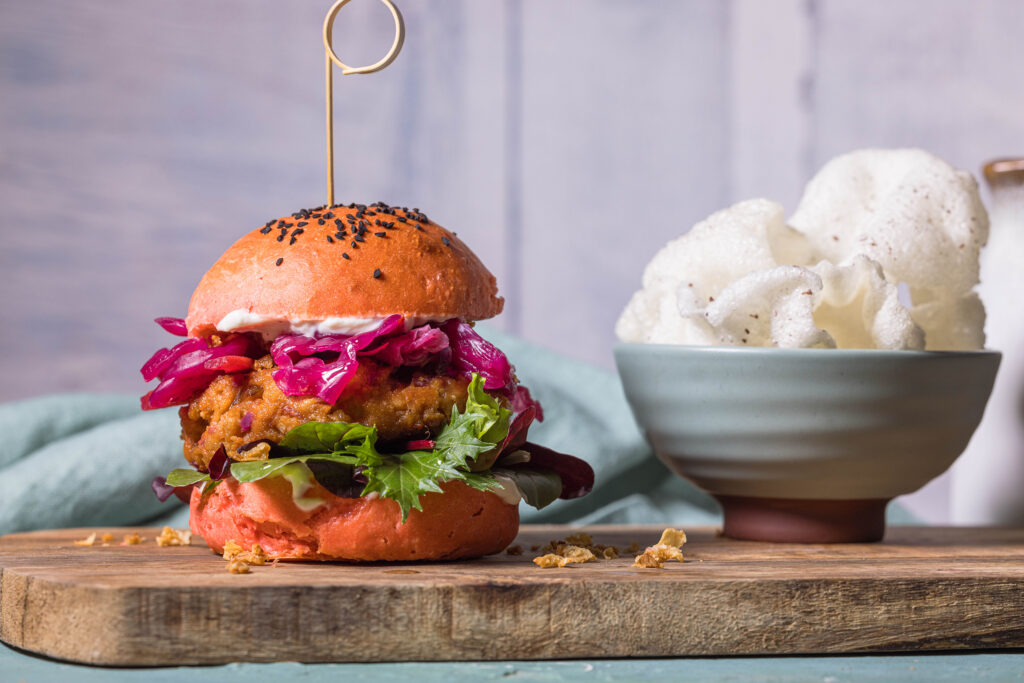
330 56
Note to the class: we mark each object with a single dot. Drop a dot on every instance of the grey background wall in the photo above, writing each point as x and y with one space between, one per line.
565 140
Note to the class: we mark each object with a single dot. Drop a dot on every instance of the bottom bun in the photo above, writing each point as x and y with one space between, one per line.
459 523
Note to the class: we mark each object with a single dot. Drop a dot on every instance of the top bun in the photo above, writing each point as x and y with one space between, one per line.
350 260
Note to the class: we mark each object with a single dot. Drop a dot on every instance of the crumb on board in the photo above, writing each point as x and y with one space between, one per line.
580 538
107 539
132 539
88 540
169 536
667 548
237 556
565 554
580 547
514 550
237 566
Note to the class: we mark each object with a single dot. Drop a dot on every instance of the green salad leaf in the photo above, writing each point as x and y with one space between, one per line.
465 450
403 477
185 477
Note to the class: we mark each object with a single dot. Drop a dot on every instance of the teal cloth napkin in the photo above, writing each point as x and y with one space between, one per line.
88 460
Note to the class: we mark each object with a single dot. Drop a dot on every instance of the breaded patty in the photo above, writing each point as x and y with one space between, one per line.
401 403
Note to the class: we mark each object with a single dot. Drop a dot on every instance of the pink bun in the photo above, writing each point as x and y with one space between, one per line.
459 523
416 268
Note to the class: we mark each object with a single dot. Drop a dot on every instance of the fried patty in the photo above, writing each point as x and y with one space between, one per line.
402 404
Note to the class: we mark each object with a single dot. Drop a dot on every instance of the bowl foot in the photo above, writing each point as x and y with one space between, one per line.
788 520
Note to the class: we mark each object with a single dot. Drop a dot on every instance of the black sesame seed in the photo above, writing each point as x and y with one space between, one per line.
279 262
344 255
420 228
376 273
266 230
280 238
446 241
359 238
354 245
301 223
381 234
292 240
401 219
298 231
328 215
321 221
330 239
340 235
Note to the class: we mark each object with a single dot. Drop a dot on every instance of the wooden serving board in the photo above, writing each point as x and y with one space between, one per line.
923 588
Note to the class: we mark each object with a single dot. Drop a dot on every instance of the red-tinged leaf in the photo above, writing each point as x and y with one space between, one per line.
577 476
220 464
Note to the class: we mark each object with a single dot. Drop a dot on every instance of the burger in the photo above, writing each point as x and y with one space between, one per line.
337 403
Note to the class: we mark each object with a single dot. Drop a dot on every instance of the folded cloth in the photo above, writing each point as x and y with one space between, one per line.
88 460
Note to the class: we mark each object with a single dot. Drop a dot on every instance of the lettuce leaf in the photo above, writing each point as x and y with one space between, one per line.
480 429
469 443
185 477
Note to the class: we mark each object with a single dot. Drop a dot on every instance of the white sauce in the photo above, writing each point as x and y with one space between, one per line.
507 490
270 327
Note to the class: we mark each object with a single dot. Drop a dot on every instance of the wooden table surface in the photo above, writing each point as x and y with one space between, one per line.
921 589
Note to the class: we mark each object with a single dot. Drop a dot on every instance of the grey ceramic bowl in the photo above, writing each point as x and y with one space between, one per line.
806 445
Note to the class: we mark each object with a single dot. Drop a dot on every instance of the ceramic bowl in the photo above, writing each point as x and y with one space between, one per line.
806 445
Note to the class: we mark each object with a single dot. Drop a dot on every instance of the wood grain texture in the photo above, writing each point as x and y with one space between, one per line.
923 588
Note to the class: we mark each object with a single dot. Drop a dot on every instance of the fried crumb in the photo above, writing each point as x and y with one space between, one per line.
674 537
88 540
107 539
256 555
548 561
633 548
565 554
514 550
132 539
580 538
237 556
169 536
574 545
237 566
232 550
667 548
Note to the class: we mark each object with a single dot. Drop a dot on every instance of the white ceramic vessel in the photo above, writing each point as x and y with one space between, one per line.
806 444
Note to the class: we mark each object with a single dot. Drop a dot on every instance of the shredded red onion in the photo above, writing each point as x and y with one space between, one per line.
186 369
323 365
175 326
